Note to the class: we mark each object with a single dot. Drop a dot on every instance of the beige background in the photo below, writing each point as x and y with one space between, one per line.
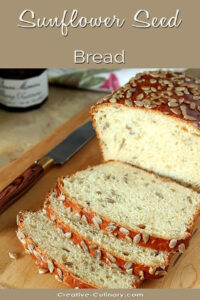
144 47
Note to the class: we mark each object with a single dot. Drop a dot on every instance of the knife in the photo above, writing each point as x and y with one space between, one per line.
59 155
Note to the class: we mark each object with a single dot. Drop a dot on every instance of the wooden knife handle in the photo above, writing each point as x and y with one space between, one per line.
23 182
20 185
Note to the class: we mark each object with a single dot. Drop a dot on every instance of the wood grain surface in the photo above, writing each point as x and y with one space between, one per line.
184 271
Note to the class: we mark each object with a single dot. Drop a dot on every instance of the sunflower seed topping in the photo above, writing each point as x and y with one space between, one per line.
43 271
84 219
124 230
111 257
84 246
13 255
21 237
58 278
176 111
152 270
128 102
128 265
31 248
172 243
181 248
113 100
60 273
141 274
129 271
137 238
111 228
145 237
50 265
160 273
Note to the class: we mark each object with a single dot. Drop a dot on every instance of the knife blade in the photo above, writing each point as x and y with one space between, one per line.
58 155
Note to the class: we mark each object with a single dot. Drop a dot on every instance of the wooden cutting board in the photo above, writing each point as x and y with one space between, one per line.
184 270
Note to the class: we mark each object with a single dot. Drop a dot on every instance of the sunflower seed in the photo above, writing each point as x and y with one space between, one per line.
84 219
60 273
112 100
128 102
97 219
189 118
124 230
141 274
31 248
50 265
145 237
17 219
84 246
176 111
172 243
181 248
43 271
160 273
140 96
129 271
128 265
58 278
139 103
13 255
21 237
152 81
137 238
172 104
98 254
192 105
128 94
152 270
128 238
111 257
111 228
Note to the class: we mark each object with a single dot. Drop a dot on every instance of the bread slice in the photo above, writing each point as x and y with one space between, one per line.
130 202
131 258
75 267
153 122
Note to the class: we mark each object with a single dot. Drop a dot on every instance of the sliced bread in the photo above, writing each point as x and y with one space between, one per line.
131 258
153 122
75 267
130 202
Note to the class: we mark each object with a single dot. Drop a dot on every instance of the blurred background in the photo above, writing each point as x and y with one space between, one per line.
34 102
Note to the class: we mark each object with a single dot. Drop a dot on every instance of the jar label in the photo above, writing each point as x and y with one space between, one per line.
24 93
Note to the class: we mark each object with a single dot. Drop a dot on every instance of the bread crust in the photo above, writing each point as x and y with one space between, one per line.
119 261
155 242
167 82
41 257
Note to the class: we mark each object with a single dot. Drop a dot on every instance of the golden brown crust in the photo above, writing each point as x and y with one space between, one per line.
119 261
171 93
154 242
41 259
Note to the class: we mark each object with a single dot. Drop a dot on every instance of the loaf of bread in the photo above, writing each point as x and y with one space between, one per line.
131 258
153 122
129 202
72 265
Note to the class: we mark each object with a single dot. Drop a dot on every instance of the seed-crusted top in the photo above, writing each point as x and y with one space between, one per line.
172 93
